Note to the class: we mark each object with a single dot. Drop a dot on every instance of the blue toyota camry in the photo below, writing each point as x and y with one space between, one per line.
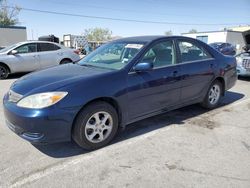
119 83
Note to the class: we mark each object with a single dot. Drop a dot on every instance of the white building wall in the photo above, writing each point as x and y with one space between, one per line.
9 36
220 36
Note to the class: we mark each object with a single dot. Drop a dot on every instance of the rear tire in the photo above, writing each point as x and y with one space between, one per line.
213 96
95 126
4 72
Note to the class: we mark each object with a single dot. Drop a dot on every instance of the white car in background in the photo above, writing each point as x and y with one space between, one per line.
243 64
34 55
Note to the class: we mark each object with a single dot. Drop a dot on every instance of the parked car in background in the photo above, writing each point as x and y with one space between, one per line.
243 64
119 83
34 55
224 48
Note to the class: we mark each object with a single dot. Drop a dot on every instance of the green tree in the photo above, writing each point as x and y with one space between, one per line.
8 15
192 31
168 33
98 34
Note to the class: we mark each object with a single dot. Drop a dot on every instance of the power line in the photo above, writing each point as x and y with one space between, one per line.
125 10
122 19
115 9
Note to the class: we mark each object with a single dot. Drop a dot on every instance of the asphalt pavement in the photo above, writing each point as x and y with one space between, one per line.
189 147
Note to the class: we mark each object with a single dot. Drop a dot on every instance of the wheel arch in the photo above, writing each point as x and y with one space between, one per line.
4 64
108 100
65 59
222 81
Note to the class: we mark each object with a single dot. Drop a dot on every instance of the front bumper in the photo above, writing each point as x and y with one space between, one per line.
48 125
241 71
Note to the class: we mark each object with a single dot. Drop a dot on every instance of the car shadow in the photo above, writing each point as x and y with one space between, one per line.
16 75
68 149
244 78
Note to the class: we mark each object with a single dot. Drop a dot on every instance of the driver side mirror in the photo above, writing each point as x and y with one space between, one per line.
143 67
13 52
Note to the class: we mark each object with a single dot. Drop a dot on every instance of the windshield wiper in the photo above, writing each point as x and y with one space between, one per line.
87 65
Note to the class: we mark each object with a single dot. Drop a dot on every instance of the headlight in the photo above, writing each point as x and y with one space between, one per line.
239 60
41 100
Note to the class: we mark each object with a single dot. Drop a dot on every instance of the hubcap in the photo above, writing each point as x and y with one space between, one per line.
98 127
214 94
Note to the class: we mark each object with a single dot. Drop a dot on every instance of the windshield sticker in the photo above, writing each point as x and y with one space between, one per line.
136 46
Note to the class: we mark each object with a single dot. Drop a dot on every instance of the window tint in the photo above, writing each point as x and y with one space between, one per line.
191 52
161 54
27 48
47 47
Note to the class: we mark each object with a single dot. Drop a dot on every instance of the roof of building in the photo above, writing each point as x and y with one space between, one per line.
13 27
241 28
213 32
238 29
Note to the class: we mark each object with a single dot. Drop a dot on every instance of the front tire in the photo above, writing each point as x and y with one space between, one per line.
213 95
95 126
4 72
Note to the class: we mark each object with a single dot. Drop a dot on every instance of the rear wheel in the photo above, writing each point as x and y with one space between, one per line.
4 72
95 126
213 95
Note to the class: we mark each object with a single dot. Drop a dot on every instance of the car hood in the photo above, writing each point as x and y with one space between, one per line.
54 78
3 53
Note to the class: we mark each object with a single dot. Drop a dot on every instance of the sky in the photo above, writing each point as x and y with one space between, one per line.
179 16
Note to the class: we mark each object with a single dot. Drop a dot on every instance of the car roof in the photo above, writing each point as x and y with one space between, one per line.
36 41
147 38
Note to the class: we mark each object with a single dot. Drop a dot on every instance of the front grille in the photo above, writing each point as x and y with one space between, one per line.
14 97
246 63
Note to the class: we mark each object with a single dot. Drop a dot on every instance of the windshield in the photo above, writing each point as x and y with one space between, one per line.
8 48
113 55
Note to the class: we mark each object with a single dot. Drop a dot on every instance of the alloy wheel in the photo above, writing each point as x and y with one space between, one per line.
214 94
98 127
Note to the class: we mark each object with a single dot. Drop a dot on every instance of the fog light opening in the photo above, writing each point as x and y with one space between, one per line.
32 136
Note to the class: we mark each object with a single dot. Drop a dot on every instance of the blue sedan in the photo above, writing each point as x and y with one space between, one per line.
119 83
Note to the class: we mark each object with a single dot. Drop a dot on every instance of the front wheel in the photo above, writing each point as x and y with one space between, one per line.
95 126
213 95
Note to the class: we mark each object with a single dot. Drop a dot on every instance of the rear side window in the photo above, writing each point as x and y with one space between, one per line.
48 47
189 51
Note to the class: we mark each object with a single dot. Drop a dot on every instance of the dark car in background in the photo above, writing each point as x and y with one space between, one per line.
224 48
121 82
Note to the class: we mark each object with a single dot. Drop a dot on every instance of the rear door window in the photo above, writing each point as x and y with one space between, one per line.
190 51
43 47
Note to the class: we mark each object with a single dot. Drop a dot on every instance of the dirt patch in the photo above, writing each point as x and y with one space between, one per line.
227 110
248 106
170 167
205 123
246 145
